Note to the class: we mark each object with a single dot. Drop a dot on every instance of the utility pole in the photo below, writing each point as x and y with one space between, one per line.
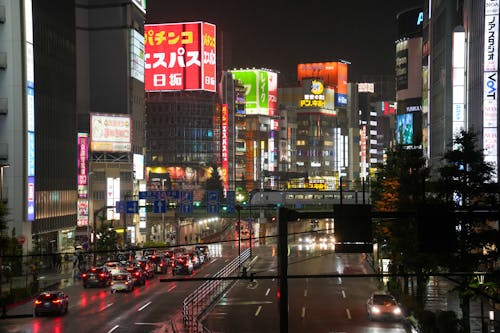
283 267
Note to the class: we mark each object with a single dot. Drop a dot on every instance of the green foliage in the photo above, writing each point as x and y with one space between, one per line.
214 183
106 237
464 175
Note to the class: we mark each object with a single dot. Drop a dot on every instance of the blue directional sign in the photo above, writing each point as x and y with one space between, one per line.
159 195
213 203
160 206
127 207
121 206
230 201
186 202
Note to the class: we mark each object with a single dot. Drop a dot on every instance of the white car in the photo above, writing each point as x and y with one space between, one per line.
122 282
381 305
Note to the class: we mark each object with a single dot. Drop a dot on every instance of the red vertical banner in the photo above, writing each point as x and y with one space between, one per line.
209 79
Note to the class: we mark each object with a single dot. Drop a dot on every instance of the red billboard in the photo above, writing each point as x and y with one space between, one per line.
180 56
332 74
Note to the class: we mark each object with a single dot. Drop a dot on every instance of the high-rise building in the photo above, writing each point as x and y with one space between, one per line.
110 109
38 121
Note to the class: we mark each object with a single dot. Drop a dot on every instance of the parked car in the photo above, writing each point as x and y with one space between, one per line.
138 275
381 306
122 282
182 265
51 302
96 277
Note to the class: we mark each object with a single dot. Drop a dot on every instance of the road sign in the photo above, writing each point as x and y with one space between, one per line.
128 207
186 202
159 206
230 201
121 206
132 207
213 202
159 195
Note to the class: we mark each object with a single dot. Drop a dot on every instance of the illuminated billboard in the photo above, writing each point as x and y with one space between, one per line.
225 146
136 55
316 96
180 56
261 90
110 133
332 73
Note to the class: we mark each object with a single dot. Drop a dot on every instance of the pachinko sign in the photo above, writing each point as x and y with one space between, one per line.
180 56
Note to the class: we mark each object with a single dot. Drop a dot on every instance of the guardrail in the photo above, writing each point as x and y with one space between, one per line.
195 304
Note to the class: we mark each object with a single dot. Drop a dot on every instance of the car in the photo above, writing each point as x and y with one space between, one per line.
182 265
205 250
382 305
96 277
114 267
51 302
148 266
195 258
161 263
138 275
122 282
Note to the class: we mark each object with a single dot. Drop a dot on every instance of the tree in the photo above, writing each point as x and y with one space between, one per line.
398 187
214 182
464 184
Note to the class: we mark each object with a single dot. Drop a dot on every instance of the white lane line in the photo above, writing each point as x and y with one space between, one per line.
144 306
268 290
348 313
107 306
171 288
343 294
303 312
340 280
258 310
114 328
305 292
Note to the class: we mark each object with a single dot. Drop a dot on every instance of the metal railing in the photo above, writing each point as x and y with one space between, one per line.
196 303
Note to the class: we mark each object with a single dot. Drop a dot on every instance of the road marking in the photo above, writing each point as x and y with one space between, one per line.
258 310
340 280
144 306
150 324
348 313
268 290
303 312
107 306
343 294
114 328
171 288
305 292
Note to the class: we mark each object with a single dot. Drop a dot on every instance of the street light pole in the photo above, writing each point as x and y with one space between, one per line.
238 208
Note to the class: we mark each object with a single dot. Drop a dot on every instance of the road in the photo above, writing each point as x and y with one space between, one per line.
333 305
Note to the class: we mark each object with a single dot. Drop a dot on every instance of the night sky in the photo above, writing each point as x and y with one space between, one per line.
280 34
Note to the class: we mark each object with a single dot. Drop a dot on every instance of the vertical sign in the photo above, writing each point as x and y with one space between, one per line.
30 111
112 196
490 84
213 202
82 217
224 143
186 202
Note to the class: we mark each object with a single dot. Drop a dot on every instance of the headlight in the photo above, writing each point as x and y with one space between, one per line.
375 309
397 311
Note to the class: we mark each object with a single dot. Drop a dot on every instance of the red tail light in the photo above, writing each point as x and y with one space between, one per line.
38 301
84 275
93 269
102 275
136 273
278 294
56 301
